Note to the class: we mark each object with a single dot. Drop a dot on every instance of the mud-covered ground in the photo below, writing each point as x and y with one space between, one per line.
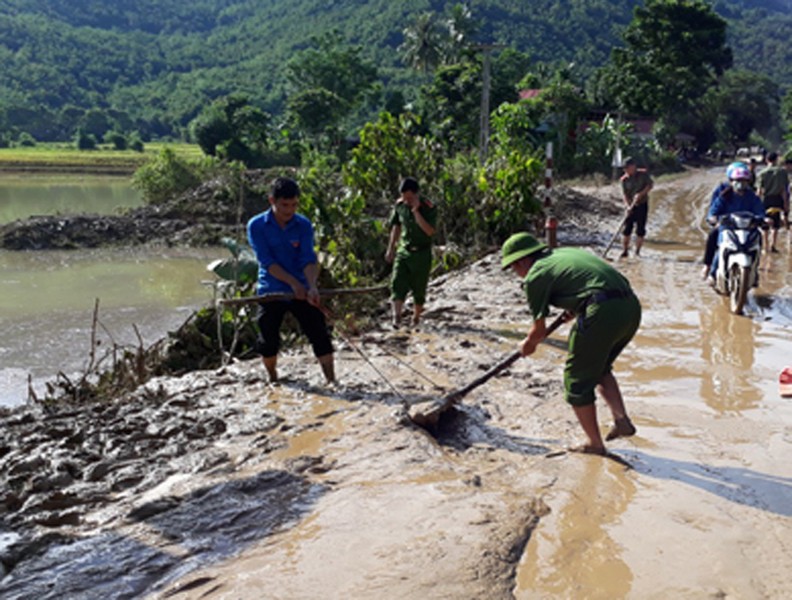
221 485
119 499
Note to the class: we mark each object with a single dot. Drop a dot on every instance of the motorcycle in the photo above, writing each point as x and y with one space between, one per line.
739 248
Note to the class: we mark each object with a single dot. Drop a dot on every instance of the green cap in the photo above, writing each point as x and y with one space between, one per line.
518 246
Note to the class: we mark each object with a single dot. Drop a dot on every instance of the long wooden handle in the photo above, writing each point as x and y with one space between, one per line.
616 235
429 417
279 296
457 395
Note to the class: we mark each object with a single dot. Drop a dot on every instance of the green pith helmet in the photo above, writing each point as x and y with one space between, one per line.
518 246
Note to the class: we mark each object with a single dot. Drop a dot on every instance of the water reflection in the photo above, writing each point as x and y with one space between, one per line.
47 300
22 196
579 534
727 348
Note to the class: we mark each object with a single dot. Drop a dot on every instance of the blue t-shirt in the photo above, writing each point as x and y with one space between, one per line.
291 247
726 201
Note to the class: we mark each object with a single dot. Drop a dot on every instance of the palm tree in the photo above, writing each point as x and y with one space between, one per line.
461 27
423 44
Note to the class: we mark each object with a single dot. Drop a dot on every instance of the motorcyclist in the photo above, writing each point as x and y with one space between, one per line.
727 198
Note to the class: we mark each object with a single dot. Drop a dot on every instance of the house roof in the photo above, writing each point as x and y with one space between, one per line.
525 94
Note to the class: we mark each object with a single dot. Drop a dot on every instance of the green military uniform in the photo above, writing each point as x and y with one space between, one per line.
413 261
608 313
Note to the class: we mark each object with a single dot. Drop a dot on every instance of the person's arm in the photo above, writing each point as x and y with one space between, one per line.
425 226
311 272
283 275
395 233
626 197
307 263
641 195
536 334
715 209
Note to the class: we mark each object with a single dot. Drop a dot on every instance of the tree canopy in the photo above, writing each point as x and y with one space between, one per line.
153 66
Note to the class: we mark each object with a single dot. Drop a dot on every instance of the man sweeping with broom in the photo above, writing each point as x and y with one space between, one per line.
607 317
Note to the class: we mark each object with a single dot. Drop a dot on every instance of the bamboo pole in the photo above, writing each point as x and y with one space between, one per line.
281 296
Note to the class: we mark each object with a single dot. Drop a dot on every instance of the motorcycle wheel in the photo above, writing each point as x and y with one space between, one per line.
739 282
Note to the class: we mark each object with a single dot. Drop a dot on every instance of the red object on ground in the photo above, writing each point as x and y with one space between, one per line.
785 382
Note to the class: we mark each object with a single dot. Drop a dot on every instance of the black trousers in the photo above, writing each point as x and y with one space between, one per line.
637 218
311 319
711 247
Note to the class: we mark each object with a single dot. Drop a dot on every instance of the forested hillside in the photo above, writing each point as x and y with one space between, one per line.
152 65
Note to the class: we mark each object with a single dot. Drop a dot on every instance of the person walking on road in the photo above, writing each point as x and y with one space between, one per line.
774 192
413 221
607 316
283 241
636 185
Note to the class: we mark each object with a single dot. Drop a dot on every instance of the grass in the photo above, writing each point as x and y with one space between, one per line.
64 157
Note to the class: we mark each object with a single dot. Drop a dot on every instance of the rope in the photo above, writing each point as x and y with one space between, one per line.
330 316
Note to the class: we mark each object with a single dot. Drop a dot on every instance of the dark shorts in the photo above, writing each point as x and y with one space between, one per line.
595 341
637 218
774 207
312 323
411 274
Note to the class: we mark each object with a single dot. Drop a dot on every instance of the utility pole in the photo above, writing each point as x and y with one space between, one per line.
485 97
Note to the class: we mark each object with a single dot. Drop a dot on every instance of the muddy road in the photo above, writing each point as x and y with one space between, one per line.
338 497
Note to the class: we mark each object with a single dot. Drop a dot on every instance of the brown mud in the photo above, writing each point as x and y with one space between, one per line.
220 485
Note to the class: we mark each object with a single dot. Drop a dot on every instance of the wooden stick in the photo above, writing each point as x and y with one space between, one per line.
618 231
430 416
280 296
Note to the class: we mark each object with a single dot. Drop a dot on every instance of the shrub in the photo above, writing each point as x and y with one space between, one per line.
84 141
117 139
168 176
26 140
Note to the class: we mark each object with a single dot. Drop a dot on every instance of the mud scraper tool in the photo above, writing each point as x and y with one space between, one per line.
429 417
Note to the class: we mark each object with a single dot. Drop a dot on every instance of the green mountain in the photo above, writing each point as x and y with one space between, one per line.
152 65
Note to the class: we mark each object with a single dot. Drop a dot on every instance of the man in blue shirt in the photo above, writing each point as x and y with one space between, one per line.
283 241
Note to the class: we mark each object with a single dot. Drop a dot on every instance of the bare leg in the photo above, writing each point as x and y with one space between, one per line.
638 244
774 239
397 311
417 312
625 245
608 388
328 368
270 363
587 417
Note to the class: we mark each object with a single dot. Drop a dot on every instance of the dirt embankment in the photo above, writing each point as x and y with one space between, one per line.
332 483
205 215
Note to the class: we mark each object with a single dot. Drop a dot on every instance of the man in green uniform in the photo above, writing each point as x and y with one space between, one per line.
413 221
635 184
774 192
607 317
